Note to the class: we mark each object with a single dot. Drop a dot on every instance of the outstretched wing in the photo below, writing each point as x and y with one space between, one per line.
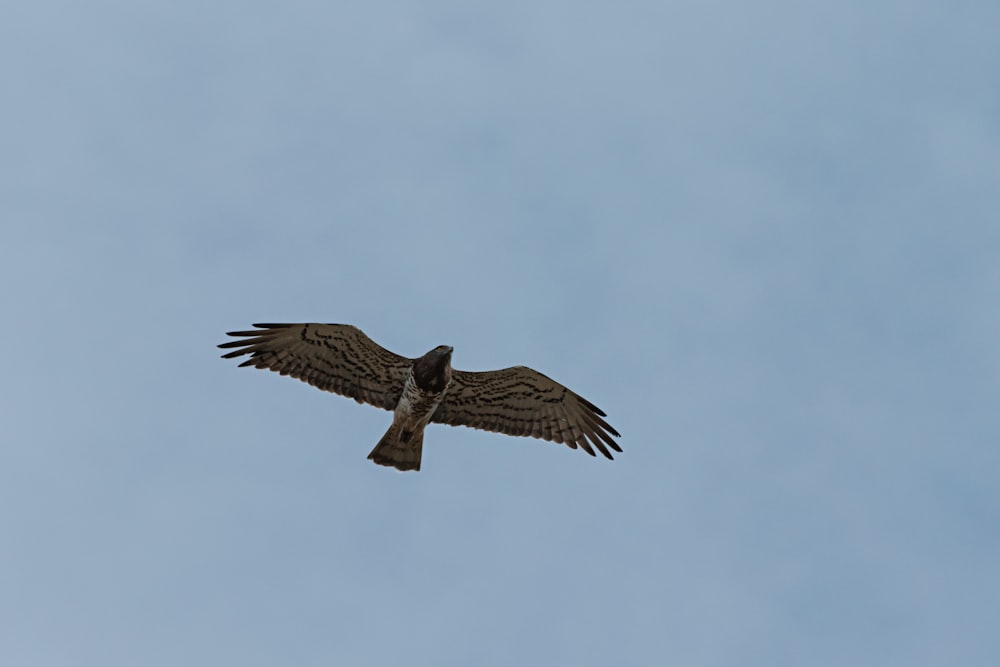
522 401
332 357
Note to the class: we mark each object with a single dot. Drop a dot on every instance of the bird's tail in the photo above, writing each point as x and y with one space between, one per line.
399 448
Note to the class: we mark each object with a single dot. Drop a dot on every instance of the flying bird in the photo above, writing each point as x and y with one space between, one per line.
341 359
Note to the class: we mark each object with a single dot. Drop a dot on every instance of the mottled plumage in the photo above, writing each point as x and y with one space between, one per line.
341 359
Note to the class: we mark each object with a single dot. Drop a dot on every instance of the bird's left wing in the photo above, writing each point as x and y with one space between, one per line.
333 357
522 401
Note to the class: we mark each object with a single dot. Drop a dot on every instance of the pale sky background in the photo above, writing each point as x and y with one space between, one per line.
764 237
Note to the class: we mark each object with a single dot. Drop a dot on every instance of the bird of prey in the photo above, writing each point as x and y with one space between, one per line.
341 359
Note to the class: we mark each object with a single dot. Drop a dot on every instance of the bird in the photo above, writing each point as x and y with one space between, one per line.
342 359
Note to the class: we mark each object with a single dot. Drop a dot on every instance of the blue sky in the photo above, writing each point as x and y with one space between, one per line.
761 236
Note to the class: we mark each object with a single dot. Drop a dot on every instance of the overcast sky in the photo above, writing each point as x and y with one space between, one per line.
764 237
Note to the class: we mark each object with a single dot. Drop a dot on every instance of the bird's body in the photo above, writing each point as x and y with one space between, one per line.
422 393
340 358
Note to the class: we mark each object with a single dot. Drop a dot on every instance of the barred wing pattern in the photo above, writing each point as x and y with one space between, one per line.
338 358
522 401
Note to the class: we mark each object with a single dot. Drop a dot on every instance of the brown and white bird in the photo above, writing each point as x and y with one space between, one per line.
341 359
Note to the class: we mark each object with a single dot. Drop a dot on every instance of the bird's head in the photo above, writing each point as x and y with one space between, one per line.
433 370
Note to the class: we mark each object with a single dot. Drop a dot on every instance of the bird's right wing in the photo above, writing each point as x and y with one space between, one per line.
338 358
522 401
